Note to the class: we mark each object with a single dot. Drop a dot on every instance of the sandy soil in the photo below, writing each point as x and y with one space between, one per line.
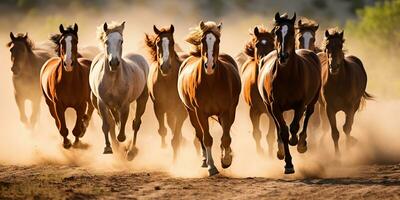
69 182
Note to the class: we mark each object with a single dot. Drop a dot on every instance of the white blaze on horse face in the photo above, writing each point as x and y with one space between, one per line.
264 42
68 53
284 33
165 47
307 37
114 45
210 39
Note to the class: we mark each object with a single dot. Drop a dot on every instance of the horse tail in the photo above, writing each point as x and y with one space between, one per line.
366 96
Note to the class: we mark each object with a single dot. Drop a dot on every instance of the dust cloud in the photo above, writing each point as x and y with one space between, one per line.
375 127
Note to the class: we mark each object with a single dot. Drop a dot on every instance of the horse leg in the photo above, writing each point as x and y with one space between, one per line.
198 141
208 141
270 134
281 153
88 115
284 133
21 107
35 112
226 151
140 108
79 129
255 120
105 114
294 126
176 135
324 121
162 131
121 116
302 146
62 127
350 140
334 131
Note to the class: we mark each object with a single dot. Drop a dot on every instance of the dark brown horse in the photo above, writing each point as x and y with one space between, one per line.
65 84
289 79
344 83
27 61
261 43
162 84
209 85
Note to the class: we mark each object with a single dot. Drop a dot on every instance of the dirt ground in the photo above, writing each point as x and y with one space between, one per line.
70 182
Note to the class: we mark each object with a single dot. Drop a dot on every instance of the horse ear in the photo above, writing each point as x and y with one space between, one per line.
277 16
76 28
294 18
156 30
123 25
26 36
316 27
202 25
341 34
299 22
256 31
105 27
61 28
172 28
219 26
12 36
326 33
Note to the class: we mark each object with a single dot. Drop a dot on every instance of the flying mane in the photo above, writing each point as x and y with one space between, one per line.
196 35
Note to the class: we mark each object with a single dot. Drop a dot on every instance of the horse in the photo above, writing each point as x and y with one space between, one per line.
116 82
344 82
289 79
162 84
305 34
65 84
27 60
260 44
209 85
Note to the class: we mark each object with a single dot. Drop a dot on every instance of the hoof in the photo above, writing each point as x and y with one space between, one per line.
213 171
204 165
131 154
226 161
281 153
67 144
107 150
293 140
302 148
289 170
80 145
121 137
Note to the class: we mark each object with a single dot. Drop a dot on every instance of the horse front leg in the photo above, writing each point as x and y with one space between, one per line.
62 126
255 121
79 129
350 140
208 141
105 115
281 153
198 141
21 108
35 112
284 134
334 131
271 134
88 115
140 108
302 146
295 125
227 120
162 130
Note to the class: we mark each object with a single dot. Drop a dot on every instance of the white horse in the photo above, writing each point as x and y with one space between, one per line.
116 82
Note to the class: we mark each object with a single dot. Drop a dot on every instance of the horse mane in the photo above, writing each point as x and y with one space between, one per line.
196 35
112 27
55 38
249 48
307 24
28 42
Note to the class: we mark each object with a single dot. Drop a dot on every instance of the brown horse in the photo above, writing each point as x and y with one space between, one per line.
209 85
162 82
261 43
26 63
65 83
344 83
305 36
289 79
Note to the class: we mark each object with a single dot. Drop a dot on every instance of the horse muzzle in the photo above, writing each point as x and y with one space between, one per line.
165 68
209 69
283 57
333 70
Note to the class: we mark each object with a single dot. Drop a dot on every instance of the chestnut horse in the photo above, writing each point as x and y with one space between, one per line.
27 60
209 85
289 79
116 82
344 83
261 43
162 84
65 84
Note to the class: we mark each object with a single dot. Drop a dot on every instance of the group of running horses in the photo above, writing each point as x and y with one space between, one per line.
281 69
